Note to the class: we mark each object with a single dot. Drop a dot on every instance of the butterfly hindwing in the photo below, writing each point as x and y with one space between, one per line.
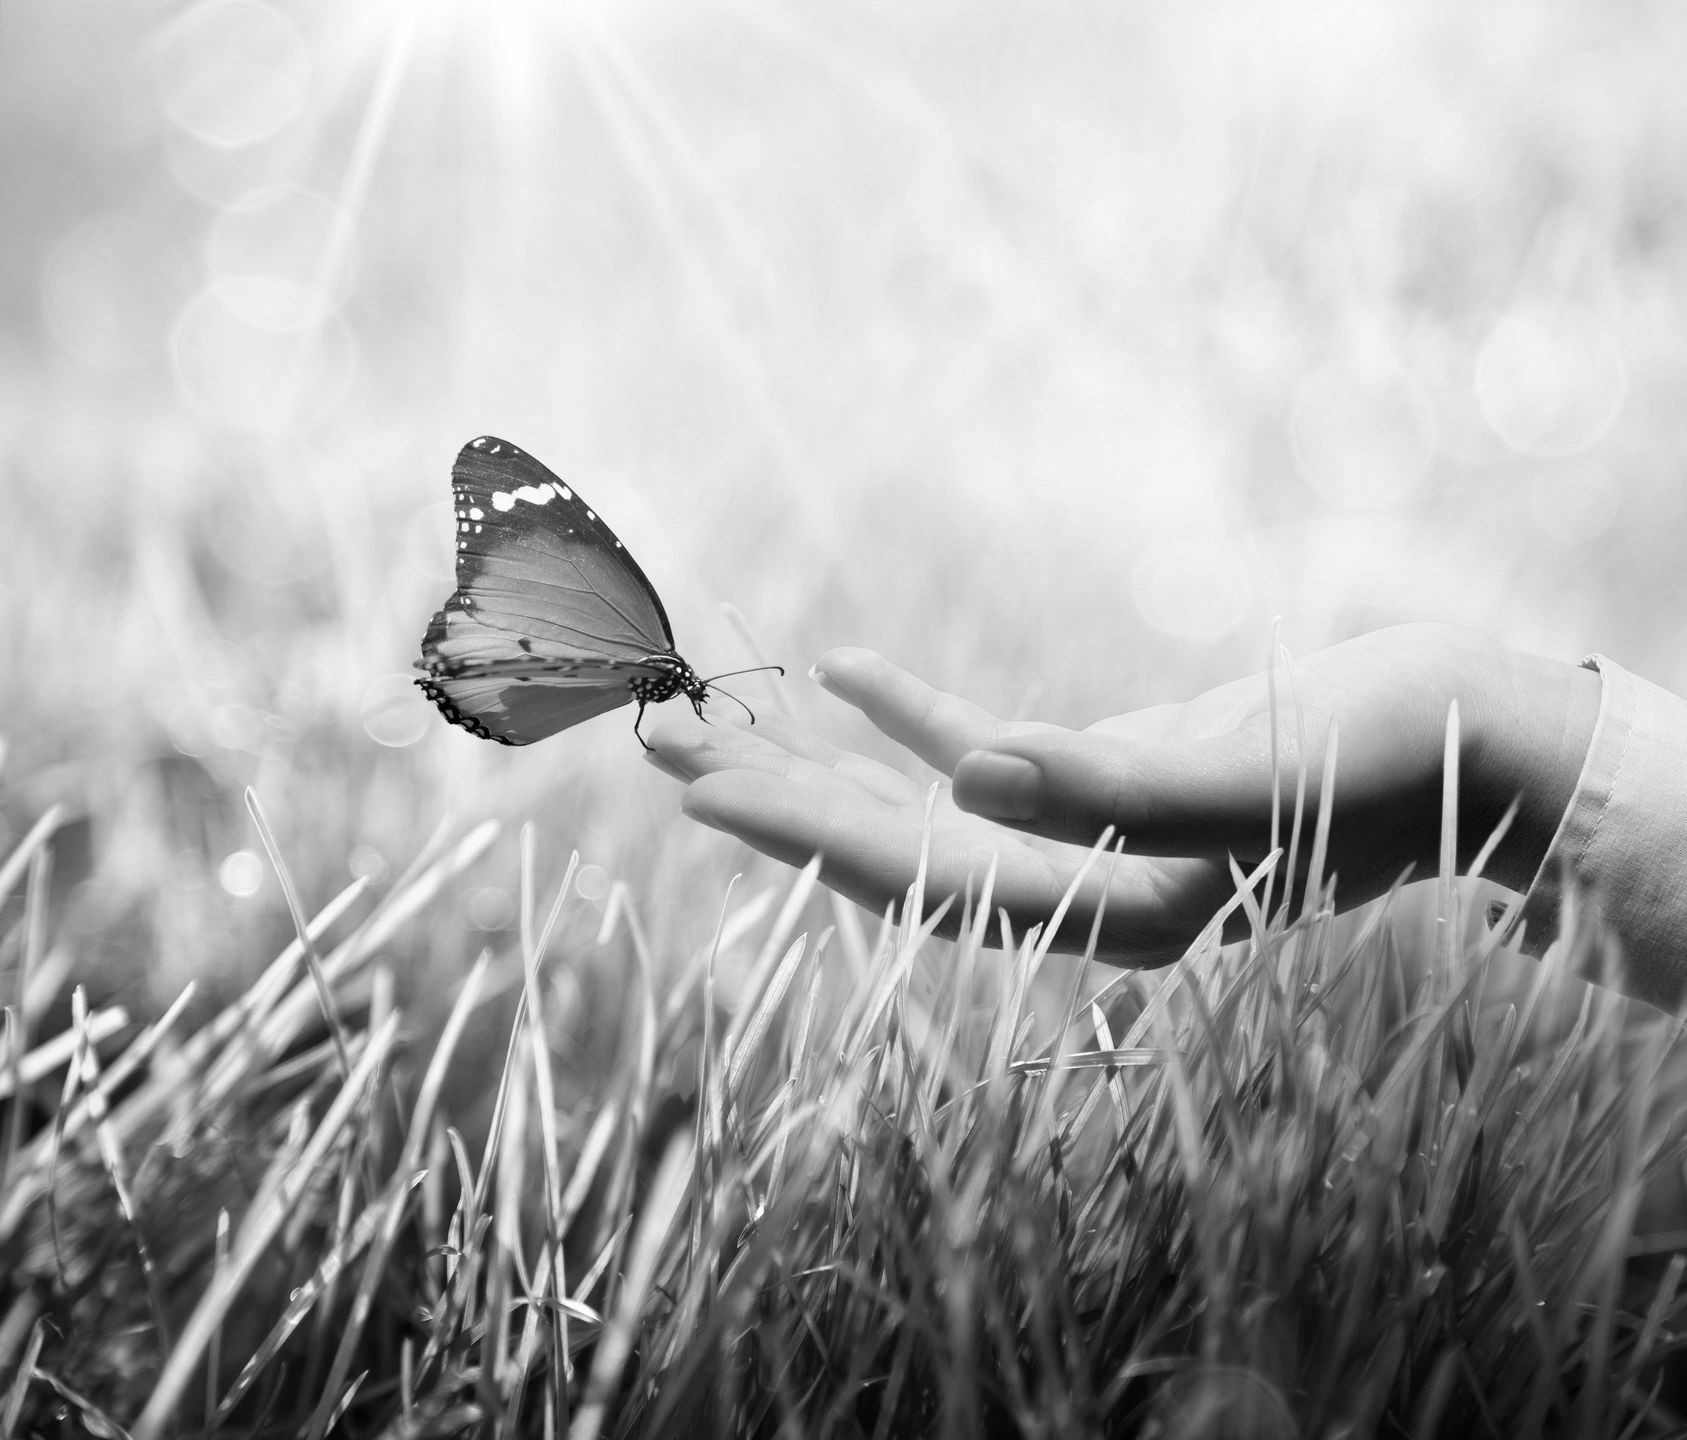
552 621
516 706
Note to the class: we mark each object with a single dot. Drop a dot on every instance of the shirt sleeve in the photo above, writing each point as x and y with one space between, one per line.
1624 838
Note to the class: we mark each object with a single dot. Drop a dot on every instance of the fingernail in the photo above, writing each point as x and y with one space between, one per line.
694 809
825 680
999 787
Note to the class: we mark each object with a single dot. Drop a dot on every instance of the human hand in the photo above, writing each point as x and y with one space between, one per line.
1186 785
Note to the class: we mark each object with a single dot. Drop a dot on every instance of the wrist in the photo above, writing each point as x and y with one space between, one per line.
1532 736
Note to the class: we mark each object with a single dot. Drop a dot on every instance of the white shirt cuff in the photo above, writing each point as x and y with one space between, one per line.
1625 836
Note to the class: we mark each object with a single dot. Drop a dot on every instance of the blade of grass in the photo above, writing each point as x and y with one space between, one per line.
545 1094
408 1175
53 1055
1273 710
1321 833
313 961
40 861
650 1240
25 851
269 1209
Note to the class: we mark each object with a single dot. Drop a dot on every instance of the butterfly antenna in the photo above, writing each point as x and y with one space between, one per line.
728 674
736 701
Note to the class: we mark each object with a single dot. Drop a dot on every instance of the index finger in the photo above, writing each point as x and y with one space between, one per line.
936 726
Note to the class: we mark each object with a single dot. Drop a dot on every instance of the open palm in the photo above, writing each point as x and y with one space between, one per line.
1187 785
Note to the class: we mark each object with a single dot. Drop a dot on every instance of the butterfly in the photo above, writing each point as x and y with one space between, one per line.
552 621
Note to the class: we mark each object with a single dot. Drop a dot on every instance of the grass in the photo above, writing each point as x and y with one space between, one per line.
1047 348
1351 1177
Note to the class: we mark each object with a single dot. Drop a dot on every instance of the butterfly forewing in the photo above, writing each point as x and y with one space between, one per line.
535 561
552 621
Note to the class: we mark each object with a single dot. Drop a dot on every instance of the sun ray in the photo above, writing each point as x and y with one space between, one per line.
646 97
636 151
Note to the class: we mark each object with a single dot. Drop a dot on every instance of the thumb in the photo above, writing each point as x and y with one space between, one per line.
1201 797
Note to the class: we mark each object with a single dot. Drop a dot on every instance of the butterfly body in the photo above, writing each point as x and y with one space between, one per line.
552 621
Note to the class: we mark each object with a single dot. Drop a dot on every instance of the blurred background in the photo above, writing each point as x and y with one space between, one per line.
1052 347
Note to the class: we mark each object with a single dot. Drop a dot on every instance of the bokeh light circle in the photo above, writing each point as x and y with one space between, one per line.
1194 587
268 254
108 291
592 881
1363 435
394 711
1575 503
252 378
222 177
241 874
232 72
1550 381
490 907
367 863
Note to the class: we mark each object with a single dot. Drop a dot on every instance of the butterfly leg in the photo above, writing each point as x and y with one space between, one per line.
636 723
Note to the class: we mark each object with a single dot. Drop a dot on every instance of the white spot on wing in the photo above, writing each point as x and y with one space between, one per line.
476 513
503 500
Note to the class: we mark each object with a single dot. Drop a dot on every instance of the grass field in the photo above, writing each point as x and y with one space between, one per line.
1053 350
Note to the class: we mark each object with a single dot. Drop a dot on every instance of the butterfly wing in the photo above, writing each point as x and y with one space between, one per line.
518 704
551 619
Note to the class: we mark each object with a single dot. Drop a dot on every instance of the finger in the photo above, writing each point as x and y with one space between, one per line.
1201 797
880 781
688 749
685 746
936 726
867 849
872 855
